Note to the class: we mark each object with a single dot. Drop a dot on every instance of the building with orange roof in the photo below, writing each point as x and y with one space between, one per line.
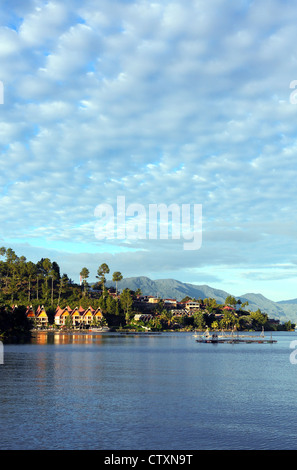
61 315
77 316
88 316
30 313
41 316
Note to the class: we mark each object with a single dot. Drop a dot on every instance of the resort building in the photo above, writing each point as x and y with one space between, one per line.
30 313
61 315
79 316
190 305
39 317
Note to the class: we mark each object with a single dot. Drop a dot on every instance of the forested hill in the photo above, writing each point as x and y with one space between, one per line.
174 289
23 282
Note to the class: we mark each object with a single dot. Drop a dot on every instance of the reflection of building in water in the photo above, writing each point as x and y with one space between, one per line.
56 337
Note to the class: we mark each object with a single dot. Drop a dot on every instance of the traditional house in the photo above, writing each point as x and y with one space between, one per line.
88 316
41 316
61 315
77 316
98 314
30 313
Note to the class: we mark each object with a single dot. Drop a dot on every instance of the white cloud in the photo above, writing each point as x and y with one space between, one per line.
43 23
167 102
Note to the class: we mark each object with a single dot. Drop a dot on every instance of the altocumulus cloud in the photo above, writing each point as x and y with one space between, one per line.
172 102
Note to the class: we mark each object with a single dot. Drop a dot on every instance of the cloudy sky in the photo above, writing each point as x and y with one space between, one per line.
162 102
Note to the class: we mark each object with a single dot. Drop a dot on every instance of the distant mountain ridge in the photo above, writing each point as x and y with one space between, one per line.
172 289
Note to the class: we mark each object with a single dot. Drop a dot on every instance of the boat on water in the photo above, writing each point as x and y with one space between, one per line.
99 330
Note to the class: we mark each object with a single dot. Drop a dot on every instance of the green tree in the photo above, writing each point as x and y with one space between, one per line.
117 277
111 307
165 318
231 301
215 325
84 275
258 319
31 271
126 303
54 277
46 270
210 304
245 322
68 321
199 320
229 320
102 270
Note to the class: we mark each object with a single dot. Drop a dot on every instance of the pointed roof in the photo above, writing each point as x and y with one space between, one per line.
91 309
60 311
40 310
98 310
30 312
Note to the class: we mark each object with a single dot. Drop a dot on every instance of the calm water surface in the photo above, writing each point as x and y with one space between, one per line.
112 391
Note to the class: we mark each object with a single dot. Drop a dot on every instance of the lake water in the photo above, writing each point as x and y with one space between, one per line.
150 392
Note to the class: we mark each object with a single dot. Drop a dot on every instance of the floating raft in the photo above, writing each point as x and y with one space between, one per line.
234 340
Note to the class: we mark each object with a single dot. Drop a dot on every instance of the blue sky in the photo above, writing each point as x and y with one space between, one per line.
173 102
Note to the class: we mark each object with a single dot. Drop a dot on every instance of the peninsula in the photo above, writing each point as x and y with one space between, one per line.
37 296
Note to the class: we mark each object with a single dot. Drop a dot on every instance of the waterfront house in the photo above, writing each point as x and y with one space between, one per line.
79 315
98 315
76 315
61 315
30 313
88 316
41 316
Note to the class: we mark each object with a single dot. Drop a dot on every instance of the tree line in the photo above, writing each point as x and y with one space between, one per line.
213 315
24 283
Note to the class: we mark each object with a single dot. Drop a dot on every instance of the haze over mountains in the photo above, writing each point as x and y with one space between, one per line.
173 289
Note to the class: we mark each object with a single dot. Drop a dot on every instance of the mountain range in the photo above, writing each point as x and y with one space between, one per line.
172 289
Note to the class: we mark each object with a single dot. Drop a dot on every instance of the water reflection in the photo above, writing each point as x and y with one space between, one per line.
57 338
146 392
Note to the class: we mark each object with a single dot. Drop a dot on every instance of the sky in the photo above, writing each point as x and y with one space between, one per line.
163 102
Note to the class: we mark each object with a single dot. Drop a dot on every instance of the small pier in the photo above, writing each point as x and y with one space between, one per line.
235 340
